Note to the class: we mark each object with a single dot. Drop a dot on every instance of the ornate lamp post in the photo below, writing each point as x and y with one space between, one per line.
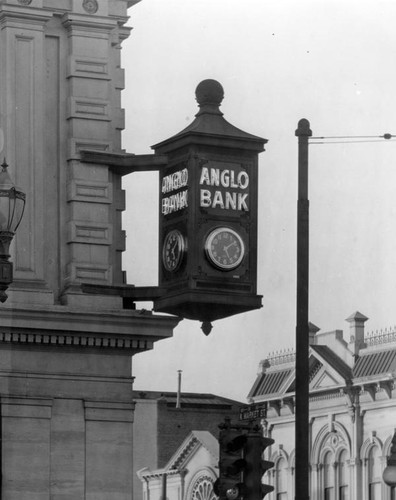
12 206
389 474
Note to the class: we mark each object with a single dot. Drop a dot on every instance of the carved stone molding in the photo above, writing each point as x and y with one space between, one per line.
90 6
81 340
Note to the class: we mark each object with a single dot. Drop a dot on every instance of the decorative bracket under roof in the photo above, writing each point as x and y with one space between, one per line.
387 386
275 405
370 389
289 403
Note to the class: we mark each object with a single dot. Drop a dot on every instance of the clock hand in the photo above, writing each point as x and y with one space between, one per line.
230 245
226 251
173 248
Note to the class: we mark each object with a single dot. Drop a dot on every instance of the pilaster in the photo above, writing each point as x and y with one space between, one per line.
26 430
22 112
95 201
356 445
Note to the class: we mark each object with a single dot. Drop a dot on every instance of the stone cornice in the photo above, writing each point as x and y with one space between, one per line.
60 326
88 24
148 474
37 18
189 446
51 340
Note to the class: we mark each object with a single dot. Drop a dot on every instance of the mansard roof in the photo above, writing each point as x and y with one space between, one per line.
375 363
270 383
329 369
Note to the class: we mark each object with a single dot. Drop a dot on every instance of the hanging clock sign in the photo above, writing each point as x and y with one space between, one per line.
208 216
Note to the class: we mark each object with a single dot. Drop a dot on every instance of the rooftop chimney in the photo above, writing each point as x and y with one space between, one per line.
313 330
356 332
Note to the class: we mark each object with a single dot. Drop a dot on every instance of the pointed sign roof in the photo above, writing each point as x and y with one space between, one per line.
209 126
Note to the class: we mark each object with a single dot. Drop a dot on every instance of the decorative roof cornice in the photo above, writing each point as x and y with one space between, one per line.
146 474
189 446
121 330
82 340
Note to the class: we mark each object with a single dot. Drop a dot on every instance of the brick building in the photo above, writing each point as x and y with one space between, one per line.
161 428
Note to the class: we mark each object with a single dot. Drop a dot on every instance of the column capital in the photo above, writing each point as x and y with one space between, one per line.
12 16
75 23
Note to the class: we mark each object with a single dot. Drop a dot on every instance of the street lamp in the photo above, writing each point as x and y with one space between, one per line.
389 474
12 206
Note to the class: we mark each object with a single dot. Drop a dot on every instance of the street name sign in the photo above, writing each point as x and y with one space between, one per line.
253 412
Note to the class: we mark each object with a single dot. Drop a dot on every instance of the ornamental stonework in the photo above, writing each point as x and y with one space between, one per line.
203 489
334 441
90 6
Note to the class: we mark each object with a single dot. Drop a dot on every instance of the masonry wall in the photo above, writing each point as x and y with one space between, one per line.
174 424
145 446
65 356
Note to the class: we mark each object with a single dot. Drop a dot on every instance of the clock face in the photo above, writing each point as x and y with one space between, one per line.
173 250
224 248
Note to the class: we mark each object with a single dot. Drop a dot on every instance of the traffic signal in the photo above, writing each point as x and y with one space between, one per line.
229 485
255 466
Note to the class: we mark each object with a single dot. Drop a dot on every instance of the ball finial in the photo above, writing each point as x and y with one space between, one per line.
209 92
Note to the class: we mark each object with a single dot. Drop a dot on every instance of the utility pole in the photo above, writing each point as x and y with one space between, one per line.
303 133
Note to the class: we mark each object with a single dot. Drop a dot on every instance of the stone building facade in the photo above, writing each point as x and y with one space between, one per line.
352 413
65 355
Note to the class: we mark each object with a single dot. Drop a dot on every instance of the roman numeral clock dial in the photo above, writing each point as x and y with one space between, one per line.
224 248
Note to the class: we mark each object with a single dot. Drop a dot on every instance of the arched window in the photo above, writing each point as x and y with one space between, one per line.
203 489
342 476
281 479
328 477
374 473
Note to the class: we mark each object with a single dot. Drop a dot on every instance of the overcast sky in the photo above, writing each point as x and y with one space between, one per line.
330 61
